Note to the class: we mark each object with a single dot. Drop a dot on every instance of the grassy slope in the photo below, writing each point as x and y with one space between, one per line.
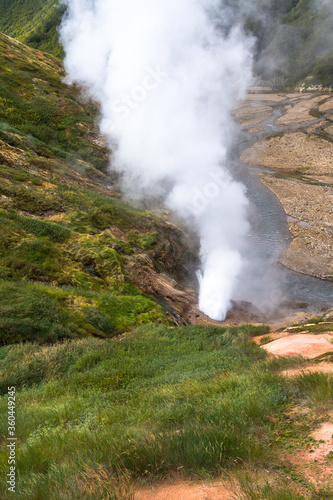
295 34
64 237
301 43
192 400
34 22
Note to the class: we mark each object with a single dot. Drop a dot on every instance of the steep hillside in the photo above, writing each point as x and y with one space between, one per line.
34 22
71 253
105 391
294 37
301 44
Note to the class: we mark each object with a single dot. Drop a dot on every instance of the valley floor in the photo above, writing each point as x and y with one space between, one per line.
293 136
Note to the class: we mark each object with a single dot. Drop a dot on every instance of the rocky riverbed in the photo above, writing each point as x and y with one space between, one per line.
292 135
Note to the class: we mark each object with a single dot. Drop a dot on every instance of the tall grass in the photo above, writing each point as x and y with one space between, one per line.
94 415
190 399
317 386
252 489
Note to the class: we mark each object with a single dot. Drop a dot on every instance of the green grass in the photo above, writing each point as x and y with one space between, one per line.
33 22
252 489
94 415
317 324
44 314
74 250
318 387
42 115
294 33
77 250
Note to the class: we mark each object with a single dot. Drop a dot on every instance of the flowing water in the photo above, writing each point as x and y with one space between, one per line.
266 280
269 237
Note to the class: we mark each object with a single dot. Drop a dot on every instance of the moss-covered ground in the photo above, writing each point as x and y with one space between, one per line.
64 233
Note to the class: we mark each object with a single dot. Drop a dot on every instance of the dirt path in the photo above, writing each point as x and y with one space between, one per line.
183 490
315 464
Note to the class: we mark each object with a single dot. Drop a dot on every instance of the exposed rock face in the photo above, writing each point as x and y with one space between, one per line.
177 301
308 346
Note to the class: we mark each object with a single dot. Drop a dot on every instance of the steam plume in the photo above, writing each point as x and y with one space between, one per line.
167 82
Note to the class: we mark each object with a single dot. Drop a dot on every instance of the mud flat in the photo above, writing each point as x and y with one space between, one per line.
296 144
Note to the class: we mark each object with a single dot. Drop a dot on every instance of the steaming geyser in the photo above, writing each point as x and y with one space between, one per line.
167 82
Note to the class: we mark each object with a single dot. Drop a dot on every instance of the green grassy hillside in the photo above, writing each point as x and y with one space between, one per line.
301 44
34 22
97 418
294 37
108 395
66 239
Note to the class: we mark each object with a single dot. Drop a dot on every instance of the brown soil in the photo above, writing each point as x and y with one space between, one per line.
316 464
266 97
304 202
188 490
249 114
310 209
327 106
255 130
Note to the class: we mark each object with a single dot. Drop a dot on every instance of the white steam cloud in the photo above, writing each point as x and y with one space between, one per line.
167 82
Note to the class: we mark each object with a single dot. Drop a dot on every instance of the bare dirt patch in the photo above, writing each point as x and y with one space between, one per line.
327 106
301 154
310 252
304 202
300 111
316 464
266 97
325 436
311 210
255 130
292 152
329 130
186 491
249 114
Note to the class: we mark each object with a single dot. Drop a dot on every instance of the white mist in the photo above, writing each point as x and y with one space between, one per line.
167 82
